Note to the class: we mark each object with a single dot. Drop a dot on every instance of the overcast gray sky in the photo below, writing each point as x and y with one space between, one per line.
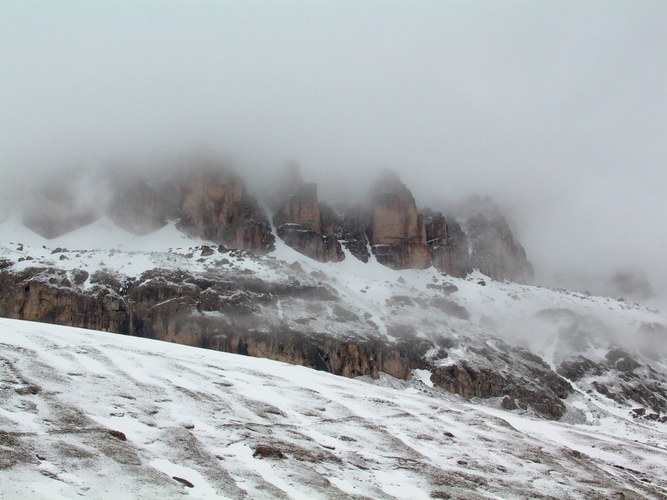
557 109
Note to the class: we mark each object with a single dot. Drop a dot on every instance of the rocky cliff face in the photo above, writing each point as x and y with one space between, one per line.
298 221
349 225
297 319
217 207
300 207
492 247
138 207
210 201
398 234
448 245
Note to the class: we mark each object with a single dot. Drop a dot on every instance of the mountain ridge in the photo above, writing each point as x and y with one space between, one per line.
210 201
480 338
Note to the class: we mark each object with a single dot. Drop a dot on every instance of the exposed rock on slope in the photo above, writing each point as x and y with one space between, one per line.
217 207
531 383
448 245
349 226
299 222
398 234
493 249
53 296
296 319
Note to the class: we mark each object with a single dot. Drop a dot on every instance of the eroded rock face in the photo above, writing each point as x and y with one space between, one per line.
217 207
51 296
300 207
297 321
619 377
398 234
522 378
175 307
348 226
299 221
492 247
448 245
210 201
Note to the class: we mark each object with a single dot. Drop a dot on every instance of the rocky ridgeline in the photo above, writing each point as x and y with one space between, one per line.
298 319
212 202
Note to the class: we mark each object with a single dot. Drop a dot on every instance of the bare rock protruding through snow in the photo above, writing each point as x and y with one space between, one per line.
208 199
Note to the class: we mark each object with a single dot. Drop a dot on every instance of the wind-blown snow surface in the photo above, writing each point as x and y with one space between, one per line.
202 416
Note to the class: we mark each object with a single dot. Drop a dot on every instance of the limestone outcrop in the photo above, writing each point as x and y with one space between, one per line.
298 220
350 226
300 321
216 206
530 383
492 247
398 233
210 201
448 245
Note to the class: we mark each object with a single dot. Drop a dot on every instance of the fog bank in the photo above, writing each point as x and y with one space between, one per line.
556 110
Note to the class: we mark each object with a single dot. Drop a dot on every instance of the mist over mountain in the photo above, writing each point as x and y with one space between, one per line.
557 112
458 203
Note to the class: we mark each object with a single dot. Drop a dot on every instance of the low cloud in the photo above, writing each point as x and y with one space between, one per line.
557 111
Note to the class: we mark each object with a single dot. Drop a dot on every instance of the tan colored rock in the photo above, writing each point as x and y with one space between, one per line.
217 207
299 221
493 249
398 234
301 207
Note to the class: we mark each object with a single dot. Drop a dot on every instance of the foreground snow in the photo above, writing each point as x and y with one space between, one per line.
205 416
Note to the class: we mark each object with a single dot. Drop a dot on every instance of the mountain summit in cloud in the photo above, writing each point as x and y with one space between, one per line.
375 287
209 200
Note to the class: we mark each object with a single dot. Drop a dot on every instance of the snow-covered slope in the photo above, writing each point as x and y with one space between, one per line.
468 332
99 415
